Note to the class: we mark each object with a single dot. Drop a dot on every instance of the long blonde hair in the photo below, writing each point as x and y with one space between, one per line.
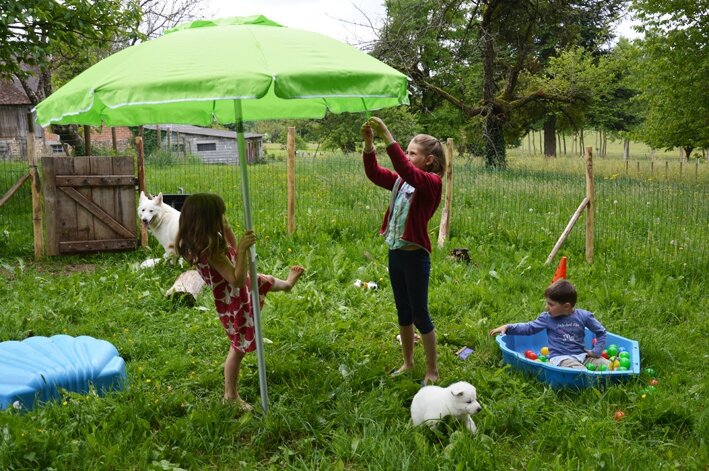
432 146
201 229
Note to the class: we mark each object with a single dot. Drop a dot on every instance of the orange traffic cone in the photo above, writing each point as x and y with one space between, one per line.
560 270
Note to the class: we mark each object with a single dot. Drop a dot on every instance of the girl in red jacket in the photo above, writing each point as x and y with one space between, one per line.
416 188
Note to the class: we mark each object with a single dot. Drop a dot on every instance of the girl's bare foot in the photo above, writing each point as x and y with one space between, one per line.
403 369
240 403
293 276
430 378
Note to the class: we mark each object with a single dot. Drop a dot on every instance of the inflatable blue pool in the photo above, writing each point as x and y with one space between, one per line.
34 369
514 346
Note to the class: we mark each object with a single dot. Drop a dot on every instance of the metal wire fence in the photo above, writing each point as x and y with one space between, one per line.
644 215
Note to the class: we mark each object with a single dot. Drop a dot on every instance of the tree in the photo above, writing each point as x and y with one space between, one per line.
473 53
672 71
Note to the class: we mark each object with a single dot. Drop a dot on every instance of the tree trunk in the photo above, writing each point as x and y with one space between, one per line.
688 152
550 136
626 149
492 129
68 134
494 142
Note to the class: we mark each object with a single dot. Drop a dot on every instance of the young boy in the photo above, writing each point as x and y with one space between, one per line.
565 326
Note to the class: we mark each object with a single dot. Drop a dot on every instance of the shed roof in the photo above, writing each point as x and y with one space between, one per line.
200 131
12 93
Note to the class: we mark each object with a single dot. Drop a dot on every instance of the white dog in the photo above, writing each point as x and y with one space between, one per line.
161 220
432 403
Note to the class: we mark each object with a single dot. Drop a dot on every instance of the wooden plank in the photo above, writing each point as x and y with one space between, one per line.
50 206
85 227
591 207
35 189
444 226
102 215
96 180
567 230
103 197
291 179
13 190
65 206
82 246
124 201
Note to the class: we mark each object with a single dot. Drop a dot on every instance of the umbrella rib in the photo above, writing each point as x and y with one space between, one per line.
180 100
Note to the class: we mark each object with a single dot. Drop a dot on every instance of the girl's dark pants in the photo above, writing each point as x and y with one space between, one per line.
409 272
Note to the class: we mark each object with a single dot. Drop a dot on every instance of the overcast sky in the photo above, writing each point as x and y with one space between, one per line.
335 18
338 19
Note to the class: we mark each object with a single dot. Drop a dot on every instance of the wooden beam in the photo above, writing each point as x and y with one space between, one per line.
591 207
567 230
13 190
97 211
95 180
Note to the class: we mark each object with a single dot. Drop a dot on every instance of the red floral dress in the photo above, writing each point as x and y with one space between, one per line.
234 304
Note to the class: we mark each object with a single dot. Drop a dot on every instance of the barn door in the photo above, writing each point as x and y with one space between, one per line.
89 204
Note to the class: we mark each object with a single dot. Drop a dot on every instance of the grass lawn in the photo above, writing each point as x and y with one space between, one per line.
330 346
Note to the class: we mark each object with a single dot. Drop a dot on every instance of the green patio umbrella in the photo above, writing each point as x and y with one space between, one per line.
227 71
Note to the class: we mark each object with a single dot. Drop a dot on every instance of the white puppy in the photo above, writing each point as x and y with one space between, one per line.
432 403
162 220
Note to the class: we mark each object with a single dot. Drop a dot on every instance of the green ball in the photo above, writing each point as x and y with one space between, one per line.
591 367
624 354
543 358
650 372
622 368
624 362
602 368
612 350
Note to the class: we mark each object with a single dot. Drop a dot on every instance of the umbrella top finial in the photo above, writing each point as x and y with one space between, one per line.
255 20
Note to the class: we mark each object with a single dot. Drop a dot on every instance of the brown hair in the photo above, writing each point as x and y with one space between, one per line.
561 291
201 230
432 146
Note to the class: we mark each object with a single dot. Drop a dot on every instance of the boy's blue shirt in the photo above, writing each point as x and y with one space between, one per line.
565 334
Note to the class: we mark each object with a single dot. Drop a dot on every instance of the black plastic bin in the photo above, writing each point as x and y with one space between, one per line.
176 201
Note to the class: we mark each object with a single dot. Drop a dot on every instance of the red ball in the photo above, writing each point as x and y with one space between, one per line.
594 341
530 354
604 354
619 414
654 382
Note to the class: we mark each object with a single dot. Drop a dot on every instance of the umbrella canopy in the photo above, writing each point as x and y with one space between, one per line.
228 71
192 74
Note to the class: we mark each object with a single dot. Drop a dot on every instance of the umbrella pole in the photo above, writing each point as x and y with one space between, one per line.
255 298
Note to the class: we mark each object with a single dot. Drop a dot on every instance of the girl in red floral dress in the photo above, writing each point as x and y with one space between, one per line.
206 240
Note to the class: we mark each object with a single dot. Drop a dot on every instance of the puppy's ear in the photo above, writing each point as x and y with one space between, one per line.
142 196
457 391
158 199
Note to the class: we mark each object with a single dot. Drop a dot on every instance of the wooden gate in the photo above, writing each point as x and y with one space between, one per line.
89 204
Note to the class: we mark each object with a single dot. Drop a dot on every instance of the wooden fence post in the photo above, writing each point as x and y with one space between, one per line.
141 181
444 227
291 179
87 140
113 140
36 194
591 205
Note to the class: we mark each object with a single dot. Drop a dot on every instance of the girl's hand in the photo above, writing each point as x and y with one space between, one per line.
380 129
367 136
246 241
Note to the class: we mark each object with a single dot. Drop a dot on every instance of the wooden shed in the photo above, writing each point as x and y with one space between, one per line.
212 146
14 106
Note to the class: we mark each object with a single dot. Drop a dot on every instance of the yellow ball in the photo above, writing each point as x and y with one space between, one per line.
544 351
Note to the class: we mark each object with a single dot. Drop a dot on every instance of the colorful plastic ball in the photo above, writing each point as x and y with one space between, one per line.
602 368
623 354
543 358
612 350
654 382
615 365
604 354
650 372
619 414
530 354
591 367
621 349
622 368
624 362
544 351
